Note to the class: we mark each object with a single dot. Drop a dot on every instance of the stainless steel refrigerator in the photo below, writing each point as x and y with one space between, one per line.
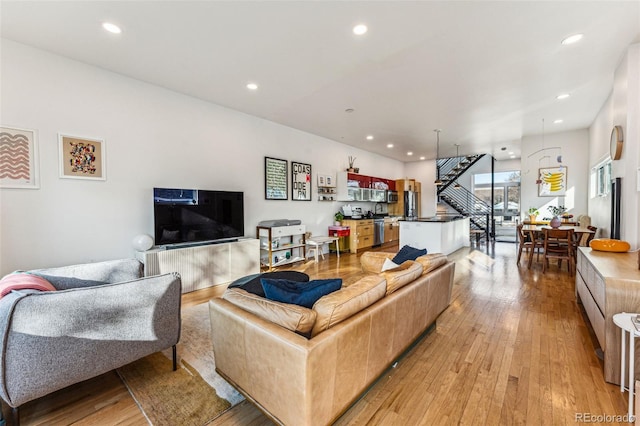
410 204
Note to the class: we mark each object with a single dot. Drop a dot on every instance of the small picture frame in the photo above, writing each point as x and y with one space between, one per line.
19 158
82 157
300 181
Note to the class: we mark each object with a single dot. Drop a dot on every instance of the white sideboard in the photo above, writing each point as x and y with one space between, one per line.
607 284
205 265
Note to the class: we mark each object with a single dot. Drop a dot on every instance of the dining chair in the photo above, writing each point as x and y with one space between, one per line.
591 236
559 245
529 243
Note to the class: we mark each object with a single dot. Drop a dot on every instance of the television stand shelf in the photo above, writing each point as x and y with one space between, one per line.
281 245
205 265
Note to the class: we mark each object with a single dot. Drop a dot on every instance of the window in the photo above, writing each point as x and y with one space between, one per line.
601 179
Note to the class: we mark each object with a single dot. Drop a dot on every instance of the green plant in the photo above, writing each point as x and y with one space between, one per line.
556 210
533 211
338 216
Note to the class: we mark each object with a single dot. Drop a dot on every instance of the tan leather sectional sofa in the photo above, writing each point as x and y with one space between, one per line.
355 334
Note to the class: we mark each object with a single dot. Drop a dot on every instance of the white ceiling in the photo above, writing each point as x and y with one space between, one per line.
486 73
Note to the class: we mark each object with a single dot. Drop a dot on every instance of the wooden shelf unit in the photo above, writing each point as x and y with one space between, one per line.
281 245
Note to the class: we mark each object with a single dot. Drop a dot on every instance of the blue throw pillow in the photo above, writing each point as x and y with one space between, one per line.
297 293
408 253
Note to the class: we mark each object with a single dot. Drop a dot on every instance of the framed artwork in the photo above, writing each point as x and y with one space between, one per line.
82 157
300 181
275 179
19 158
553 181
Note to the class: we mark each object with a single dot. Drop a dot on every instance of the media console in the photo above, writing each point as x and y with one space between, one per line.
202 266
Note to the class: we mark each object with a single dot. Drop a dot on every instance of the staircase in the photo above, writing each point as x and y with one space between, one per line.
461 199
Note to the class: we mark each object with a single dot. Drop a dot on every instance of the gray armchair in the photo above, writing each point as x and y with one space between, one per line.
104 316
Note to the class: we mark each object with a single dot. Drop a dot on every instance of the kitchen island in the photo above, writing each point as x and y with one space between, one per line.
439 234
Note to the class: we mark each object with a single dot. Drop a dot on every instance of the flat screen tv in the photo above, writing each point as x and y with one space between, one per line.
183 216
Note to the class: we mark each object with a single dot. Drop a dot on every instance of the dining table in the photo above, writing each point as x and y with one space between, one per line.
535 233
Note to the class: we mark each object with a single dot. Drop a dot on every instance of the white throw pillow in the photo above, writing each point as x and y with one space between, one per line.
388 264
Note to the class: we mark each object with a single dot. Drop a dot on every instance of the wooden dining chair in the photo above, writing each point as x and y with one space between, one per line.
529 243
559 245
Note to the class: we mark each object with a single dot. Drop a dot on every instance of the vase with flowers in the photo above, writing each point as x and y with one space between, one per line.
556 211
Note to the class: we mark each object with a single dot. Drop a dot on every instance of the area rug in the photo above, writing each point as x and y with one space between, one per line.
193 395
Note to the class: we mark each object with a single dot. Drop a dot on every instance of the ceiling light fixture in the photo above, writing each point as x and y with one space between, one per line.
438 181
252 86
572 39
562 96
558 121
112 28
409 153
360 29
423 158
389 145
369 138
512 156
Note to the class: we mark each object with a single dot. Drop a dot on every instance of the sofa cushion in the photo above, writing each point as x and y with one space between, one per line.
388 264
251 283
292 317
346 302
372 261
408 253
23 281
431 261
303 294
402 275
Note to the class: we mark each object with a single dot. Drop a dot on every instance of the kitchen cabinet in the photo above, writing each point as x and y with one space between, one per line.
281 245
391 230
361 234
355 187
402 186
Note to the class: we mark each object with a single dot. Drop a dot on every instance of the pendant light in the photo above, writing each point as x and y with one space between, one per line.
438 181
457 185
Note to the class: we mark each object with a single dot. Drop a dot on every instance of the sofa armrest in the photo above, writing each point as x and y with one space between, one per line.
54 339
372 261
91 274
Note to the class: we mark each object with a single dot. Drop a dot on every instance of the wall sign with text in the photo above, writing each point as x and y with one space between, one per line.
300 181
275 179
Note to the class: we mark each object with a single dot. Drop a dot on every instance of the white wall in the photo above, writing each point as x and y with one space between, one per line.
621 108
574 147
154 138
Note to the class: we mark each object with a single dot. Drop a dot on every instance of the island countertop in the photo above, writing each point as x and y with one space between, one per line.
436 219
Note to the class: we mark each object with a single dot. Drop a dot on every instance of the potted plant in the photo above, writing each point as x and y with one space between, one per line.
338 218
352 160
556 211
533 213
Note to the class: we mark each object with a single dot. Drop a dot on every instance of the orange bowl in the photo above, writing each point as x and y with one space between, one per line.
606 244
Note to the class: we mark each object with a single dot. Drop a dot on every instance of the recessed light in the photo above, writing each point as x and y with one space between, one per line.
562 96
510 152
252 86
112 28
558 121
422 158
360 29
409 153
389 145
572 39
512 156
369 138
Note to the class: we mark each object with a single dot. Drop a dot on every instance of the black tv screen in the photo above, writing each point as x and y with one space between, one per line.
191 215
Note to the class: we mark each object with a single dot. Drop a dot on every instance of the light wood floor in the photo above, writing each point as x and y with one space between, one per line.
512 348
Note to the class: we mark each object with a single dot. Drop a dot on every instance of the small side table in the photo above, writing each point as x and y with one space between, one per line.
318 242
625 322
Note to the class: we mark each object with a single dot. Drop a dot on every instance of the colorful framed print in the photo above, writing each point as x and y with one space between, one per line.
82 157
19 158
275 179
300 181
553 181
